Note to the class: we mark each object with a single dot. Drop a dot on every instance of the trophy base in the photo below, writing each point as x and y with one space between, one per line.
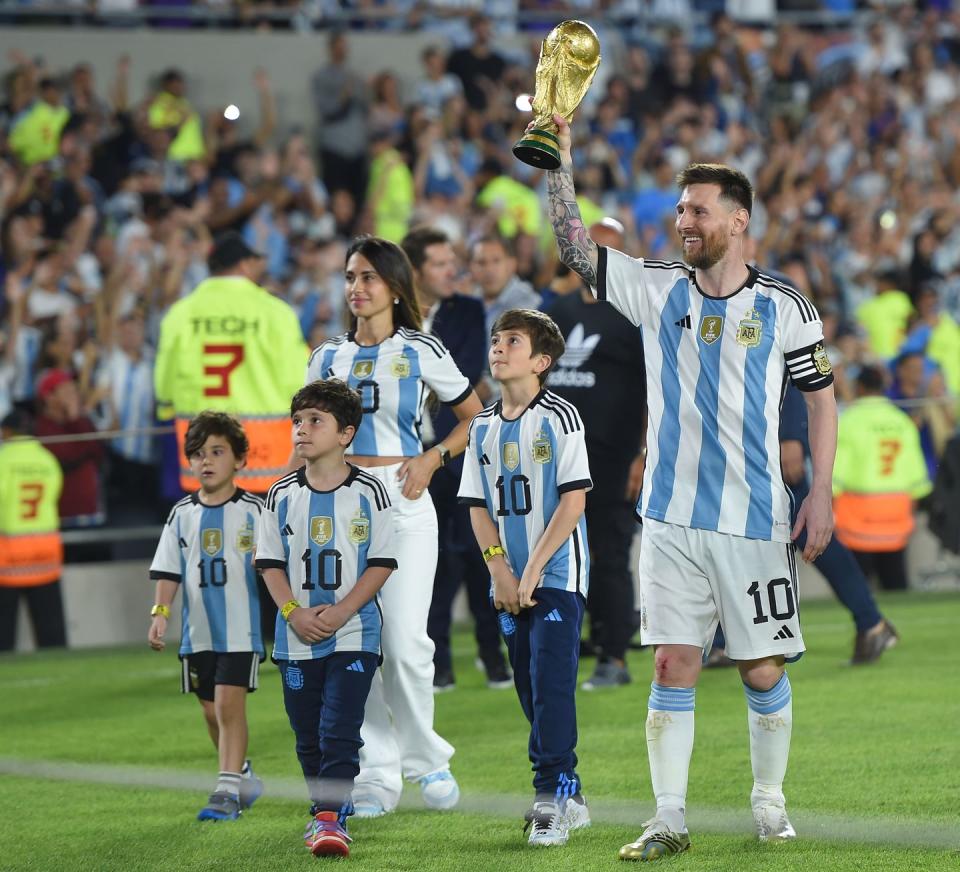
538 148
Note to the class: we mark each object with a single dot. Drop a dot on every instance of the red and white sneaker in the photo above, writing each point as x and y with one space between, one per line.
326 836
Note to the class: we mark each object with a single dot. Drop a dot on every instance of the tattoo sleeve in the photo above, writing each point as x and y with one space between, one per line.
577 250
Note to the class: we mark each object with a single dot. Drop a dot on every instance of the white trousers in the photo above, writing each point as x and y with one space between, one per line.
398 737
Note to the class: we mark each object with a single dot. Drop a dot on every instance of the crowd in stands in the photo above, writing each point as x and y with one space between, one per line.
108 208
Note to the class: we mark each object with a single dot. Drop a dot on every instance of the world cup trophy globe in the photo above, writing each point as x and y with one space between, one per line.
569 58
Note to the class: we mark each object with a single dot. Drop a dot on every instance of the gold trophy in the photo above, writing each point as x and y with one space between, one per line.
569 58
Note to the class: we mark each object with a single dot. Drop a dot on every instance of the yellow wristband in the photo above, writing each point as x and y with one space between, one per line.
493 551
160 609
288 608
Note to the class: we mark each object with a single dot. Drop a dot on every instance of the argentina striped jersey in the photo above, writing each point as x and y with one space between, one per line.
324 541
517 469
393 378
208 550
716 373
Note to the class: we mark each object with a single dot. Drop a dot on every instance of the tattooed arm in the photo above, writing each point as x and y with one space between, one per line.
577 250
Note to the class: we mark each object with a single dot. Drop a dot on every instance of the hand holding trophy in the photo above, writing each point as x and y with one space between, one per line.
569 58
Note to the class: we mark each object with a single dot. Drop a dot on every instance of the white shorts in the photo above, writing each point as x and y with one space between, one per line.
691 579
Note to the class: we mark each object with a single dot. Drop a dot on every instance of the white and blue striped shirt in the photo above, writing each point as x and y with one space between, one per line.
209 551
130 396
517 469
716 373
393 378
324 541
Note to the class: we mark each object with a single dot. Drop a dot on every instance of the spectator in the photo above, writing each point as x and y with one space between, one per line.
81 501
390 194
35 136
878 474
31 552
341 101
170 111
437 86
479 66
493 268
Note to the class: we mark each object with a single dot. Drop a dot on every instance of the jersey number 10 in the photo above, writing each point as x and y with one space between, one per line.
310 570
521 501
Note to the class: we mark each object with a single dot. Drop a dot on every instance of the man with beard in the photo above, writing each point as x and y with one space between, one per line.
720 337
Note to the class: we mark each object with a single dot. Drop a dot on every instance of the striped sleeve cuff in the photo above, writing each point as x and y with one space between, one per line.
158 574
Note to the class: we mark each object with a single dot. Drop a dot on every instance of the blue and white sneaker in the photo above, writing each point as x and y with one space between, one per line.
367 806
439 789
251 786
220 807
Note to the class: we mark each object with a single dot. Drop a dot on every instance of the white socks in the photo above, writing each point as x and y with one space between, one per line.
669 746
770 717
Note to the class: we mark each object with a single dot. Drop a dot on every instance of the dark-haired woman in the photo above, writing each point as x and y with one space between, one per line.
393 364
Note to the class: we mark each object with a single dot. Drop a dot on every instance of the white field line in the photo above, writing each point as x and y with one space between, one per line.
810 824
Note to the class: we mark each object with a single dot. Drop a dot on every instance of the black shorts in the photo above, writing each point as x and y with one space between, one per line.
203 671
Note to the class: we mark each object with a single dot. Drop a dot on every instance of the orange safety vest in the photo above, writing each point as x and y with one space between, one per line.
873 522
31 551
31 559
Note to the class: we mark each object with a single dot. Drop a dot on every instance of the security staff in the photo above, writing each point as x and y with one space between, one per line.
31 551
232 347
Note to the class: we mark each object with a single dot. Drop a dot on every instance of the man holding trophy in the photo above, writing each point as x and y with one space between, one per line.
720 336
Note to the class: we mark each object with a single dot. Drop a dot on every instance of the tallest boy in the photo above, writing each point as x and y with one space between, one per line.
719 339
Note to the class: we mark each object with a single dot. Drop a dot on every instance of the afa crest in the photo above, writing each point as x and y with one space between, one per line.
821 361
750 329
245 539
542 449
359 528
511 455
293 678
362 369
212 539
711 326
400 367
321 529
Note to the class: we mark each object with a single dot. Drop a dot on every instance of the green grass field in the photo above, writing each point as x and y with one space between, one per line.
103 766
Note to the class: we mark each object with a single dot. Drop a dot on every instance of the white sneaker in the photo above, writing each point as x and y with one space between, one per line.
547 825
772 821
439 789
366 806
576 813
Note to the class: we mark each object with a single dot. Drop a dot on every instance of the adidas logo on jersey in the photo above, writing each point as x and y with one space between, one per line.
684 322
783 634
579 347
554 616
356 666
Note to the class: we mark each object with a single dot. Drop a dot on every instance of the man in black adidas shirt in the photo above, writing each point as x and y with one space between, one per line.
601 346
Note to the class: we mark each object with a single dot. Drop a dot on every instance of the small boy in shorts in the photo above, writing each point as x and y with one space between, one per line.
207 548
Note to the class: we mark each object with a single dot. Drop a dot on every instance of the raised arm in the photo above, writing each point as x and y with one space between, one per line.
577 250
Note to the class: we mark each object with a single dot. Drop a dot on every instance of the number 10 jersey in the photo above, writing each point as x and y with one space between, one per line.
324 541
518 469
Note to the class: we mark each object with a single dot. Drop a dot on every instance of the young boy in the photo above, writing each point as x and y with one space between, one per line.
525 478
207 546
325 548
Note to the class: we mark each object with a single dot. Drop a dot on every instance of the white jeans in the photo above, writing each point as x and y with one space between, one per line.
398 737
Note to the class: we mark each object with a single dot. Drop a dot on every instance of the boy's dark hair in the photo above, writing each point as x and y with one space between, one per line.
735 187
208 424
418 240
545 336
334 396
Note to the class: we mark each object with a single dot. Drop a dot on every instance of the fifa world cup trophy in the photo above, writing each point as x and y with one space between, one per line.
569 58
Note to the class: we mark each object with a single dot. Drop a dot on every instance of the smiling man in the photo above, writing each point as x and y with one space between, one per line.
720 337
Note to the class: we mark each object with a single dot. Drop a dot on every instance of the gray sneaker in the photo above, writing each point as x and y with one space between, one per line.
607 675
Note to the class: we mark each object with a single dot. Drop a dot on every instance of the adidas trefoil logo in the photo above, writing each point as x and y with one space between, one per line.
684 322
356 666
579 347
783 634
554 616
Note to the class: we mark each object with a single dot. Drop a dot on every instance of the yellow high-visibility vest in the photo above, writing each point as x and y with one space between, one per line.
31 551
232 347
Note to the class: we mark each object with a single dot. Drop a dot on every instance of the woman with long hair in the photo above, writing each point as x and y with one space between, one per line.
393 364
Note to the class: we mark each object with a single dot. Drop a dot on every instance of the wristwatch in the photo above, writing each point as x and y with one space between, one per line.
160 609
444 453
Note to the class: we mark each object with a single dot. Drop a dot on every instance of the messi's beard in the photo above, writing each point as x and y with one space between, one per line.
712 250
